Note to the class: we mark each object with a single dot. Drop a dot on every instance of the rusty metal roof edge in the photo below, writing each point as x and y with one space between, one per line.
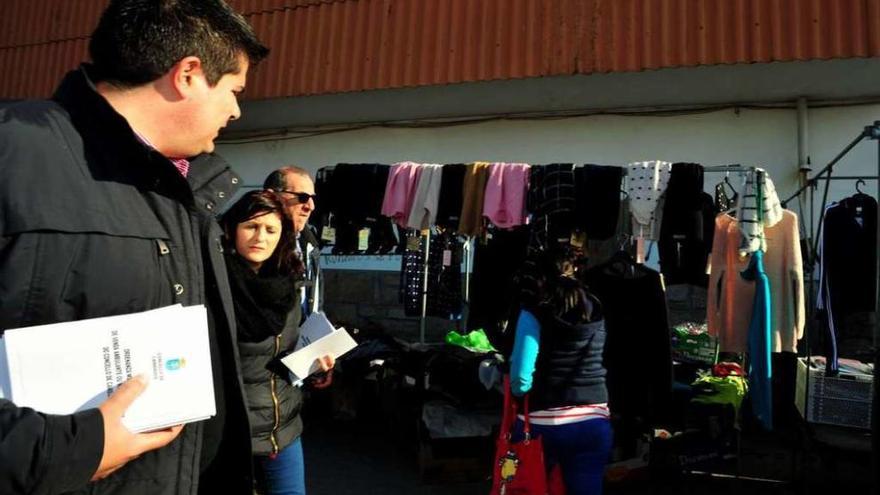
547 76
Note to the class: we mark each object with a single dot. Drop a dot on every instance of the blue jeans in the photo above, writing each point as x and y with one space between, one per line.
283 475
581 449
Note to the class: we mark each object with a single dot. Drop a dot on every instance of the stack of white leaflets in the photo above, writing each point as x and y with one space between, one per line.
66 367
317 338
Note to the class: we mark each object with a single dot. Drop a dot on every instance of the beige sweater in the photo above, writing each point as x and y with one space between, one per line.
730 297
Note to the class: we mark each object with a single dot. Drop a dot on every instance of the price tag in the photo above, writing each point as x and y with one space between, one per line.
363 239
640 250
328 234
447 257
412 243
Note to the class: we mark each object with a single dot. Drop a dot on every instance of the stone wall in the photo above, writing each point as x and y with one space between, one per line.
369 298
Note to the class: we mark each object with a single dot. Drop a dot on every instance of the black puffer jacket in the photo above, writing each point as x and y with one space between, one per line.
93 223
569 369
274 404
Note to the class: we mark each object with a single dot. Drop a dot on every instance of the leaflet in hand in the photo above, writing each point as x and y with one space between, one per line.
317 338
66 367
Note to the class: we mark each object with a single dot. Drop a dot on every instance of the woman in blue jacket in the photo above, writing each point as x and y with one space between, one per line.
557 360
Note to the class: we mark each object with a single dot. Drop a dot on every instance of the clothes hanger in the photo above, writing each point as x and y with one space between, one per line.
860 182
725 191
859 200
623 263
726 182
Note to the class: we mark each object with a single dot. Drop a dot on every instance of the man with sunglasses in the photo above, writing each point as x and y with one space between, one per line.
297 191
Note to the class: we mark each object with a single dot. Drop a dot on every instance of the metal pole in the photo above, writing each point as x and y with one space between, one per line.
469 251
803 139
423 323
836 159
815 247
875 134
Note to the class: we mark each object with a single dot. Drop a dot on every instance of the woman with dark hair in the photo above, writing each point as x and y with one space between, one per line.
264 273
557 360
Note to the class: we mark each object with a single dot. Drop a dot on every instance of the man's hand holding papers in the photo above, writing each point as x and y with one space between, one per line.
120 444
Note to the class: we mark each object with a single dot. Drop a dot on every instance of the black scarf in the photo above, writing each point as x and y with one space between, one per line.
262 300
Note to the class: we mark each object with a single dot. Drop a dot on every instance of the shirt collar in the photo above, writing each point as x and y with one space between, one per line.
181 164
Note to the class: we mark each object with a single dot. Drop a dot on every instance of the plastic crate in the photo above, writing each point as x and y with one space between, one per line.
843 400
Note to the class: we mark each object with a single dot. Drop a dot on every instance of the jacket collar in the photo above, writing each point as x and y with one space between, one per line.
113 150
307 236
213 181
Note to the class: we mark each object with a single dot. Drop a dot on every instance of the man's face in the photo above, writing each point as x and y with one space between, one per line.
298 210
208 109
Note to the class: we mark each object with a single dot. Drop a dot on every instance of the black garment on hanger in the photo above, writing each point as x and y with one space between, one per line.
638 353
849 250
493 294
551 201
357 191
725 195
444 275
321 216
597 194
411 273
444 286
687 227
449 205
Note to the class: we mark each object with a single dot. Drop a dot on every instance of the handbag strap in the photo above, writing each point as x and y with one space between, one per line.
509 414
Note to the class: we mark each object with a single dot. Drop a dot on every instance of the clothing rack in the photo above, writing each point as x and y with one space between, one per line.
733 167
423 318
871 132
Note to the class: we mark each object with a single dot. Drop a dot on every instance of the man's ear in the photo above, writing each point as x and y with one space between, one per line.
187 76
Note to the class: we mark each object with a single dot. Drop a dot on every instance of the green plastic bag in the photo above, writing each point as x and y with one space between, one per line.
475 341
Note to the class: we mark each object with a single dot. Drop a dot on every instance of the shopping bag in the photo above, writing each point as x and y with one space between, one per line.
519 466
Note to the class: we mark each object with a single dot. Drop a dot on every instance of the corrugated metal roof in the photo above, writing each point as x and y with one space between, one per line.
331 46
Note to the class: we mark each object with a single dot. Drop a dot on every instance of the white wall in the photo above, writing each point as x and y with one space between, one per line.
765 138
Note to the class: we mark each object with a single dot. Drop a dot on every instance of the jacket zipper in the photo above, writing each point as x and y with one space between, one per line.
275 402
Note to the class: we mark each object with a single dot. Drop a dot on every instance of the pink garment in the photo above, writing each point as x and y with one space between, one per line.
400 191
426 197
730 297
504 202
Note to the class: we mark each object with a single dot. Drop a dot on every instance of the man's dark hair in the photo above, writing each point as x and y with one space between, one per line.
138 41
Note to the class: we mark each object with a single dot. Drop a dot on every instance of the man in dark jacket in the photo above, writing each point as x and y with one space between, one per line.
107 207
297 190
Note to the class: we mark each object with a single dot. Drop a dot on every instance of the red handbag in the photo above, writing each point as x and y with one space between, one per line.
519 467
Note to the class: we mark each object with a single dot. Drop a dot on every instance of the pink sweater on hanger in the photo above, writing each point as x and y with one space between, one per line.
505 200
400 191
730 298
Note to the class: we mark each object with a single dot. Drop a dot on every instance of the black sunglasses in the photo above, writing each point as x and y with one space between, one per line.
301 196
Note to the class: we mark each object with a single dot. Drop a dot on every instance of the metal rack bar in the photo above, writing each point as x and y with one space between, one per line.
827 169
849 177
424 318
869 132
875 407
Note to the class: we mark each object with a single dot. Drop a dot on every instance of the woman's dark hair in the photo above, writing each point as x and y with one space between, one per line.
138 41
549 285
257 203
